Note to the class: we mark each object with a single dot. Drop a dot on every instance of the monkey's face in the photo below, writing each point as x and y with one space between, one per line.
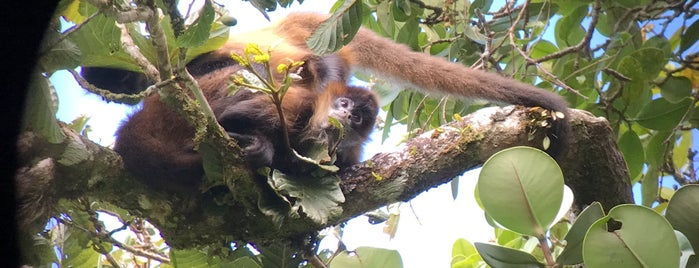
356 110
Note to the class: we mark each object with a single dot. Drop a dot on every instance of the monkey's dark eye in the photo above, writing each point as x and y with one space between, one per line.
344 103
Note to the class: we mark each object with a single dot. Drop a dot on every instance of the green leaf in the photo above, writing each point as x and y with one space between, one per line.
505 236
632 3
401 10
41 106
573 252
683 213
681 151
198 33
659 42
660 114
216 38
385 19
189 258
568 30
462 247
368 257
522 189
657 149
279 254
319 198
676 88
100 43
569 6
213 166
685 248
498 256
690 36
543 48
473 33
645 239
630 145
408 34
245 262
337 30
650 186
62 55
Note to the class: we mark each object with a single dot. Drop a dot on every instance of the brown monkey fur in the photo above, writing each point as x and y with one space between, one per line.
156 143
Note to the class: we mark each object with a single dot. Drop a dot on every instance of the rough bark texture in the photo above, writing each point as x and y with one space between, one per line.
593 167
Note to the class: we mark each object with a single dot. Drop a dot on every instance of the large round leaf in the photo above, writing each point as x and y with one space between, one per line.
683 213
645 239
522 189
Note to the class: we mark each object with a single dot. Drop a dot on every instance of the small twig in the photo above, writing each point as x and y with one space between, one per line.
99 227
616 74
543 243
127 98
487 51
135 53
160 43
124 15
551 76
433 18
117 243
585 43
315 261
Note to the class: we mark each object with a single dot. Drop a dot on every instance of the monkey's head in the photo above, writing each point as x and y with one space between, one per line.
355 108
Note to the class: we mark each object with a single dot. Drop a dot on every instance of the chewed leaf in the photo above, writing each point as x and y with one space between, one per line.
318 198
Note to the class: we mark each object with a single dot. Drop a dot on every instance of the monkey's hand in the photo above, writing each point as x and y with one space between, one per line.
259 151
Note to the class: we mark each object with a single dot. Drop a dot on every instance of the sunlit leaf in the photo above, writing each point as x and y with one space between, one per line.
681 151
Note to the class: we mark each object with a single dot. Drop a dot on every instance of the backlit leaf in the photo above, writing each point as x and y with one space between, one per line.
522 189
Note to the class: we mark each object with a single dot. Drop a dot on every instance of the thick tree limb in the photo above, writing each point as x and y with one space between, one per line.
593 168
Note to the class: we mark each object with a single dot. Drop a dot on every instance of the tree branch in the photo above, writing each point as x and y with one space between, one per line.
593 168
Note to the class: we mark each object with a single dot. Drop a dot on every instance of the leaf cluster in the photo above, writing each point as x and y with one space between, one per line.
522 200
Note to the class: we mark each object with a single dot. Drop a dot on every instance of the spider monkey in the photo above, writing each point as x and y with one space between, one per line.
418 70
155 143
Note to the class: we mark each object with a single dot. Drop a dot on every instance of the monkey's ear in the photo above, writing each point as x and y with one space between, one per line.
116 80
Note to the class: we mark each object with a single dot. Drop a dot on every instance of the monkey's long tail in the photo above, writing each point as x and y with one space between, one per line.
432 74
